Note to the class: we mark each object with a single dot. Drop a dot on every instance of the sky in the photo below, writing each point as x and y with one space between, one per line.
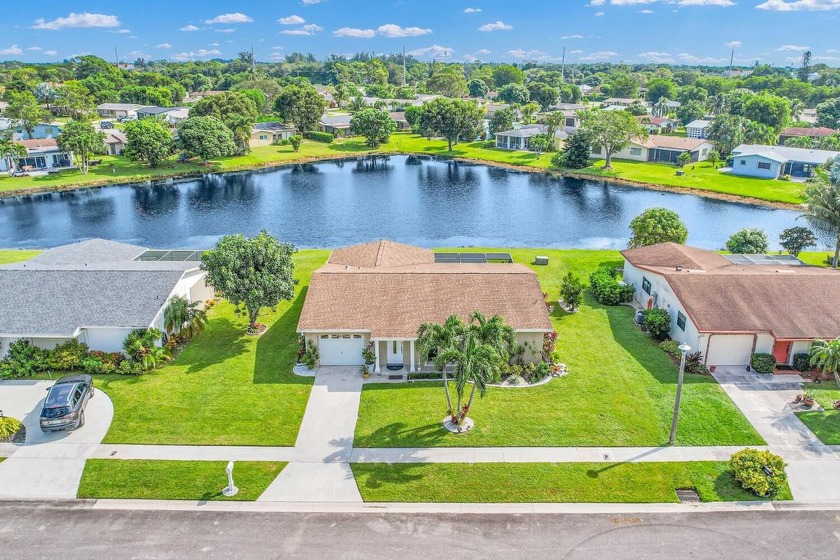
630 31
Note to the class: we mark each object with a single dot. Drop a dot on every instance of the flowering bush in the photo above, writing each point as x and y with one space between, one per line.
761 472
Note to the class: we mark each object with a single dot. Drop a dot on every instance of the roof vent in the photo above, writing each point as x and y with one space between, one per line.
679 268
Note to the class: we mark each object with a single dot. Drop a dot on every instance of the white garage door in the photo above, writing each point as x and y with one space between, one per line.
730 350
341 350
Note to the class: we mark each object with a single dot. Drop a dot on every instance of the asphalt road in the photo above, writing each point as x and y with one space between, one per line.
68 532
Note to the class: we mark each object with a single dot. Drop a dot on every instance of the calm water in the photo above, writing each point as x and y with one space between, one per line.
421 201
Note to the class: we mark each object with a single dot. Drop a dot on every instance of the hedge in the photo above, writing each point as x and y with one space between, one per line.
763 362
325 137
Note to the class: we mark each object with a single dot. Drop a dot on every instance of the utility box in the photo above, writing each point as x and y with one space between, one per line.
539 259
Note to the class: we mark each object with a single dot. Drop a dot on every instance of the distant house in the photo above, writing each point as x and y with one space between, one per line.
41 156
571 113
808 116
118 110
40 131
698 129
624 101
114 142
769 162
661 149
337 125
194 96
399 118
657 125
268 133
816 133
172 115
520 138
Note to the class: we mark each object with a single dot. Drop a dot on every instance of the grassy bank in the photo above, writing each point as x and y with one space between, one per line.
174 480
8 256
825 424
544 482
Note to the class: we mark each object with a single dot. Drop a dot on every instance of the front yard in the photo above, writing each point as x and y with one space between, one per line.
826 424
620 391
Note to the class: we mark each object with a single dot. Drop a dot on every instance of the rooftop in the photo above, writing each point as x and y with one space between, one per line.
815 132
786 153
699 123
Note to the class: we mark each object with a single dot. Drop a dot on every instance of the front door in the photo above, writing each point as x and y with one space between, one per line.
395 352
781 351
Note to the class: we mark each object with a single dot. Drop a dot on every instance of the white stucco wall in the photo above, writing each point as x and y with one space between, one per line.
764 343
626 153
748 166
106 339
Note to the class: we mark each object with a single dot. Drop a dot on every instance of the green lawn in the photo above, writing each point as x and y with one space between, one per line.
826 424
620 391
174 480
8 256
546 482
226 388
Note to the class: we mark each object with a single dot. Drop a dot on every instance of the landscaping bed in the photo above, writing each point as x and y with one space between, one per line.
826 423
549 482
174 480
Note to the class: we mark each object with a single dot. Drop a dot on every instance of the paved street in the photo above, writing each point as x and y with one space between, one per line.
31 531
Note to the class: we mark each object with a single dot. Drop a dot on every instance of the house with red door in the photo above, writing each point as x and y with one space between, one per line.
731 306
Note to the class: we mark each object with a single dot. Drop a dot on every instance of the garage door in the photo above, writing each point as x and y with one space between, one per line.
341 349
730 350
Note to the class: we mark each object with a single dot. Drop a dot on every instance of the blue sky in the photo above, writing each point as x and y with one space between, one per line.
691 31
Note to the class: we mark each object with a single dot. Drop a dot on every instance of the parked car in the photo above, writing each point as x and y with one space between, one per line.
106 125
64 407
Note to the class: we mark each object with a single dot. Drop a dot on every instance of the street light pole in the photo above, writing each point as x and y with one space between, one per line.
684 348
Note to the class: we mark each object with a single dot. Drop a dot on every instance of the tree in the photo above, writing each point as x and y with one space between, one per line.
553 122
45 93
657 225
576 151
624 85
10 151
448 81
825 356
543 94
828 113
142 346
251 272
796 239
505 74
302 105
659 88
831 143
612 131
747 241
184 318
477 88
80 138
805 70
514 94
714 157
495 332
74 98
800 142
24 109
571 289
822 203
206 137
542 143
451 119
661 107
295 141
727 132
528 110
255 95
236 110
767 109
475 363
637 108
501 121
148 140
376 126
684 159
690 111
439 338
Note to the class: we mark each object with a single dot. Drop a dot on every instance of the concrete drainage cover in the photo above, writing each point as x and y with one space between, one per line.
688 496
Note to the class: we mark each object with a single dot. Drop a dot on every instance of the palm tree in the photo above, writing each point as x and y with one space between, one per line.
719 104
796 108
800 142
10 151
183 317
441 337
822 200
825 356
141 346
660 108
495 332
476 363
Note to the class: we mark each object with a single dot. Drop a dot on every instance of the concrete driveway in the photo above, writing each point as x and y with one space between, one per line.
47 465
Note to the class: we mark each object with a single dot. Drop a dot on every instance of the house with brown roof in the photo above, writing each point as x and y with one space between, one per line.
816 133
731 306
379 294
660 149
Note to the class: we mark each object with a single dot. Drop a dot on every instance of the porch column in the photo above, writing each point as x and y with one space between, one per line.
376 361
411 367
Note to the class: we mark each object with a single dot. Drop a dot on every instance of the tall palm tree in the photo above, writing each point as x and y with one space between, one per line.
796 108
10 151
719 104
183 317
825 356
495 332
441 337
822 200
805 142
476 363
660 108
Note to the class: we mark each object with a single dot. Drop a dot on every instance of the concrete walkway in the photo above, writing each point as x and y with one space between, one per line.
48 465
813 467
320 470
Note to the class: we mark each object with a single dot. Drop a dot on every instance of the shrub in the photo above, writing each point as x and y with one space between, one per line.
763 363
749 240
9 427
606 288
541 370
657 323
69 355
425 375
670 347
570 290
694 363
802 361
325 137
23 360
92 365
295 142
130 367
748 466
310 357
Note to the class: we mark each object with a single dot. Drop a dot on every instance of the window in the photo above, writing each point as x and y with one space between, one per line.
646 285
357 336
596 150
345 336
263 137
680 320
743 162
704 151
635 151
763 165
325 336
394 347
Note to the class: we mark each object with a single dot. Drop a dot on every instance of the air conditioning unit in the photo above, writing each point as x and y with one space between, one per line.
655 296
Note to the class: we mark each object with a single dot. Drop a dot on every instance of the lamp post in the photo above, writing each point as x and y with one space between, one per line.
684 348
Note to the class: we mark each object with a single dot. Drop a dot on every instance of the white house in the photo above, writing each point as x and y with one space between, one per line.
115 142
96 291
172 115
657 125
698 129
769 162
118 110
40 131
41 156
520 138
729 307
268 133
660 149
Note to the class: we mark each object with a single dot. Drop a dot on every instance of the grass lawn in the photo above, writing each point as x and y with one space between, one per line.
8 256
620 391
702 177
225 388
174 480
826 424
547 482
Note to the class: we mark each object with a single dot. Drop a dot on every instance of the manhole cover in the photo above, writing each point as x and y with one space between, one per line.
688 495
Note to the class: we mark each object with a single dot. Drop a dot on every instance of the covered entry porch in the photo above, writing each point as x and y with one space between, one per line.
395 354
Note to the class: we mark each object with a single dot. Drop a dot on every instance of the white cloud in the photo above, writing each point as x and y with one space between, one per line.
646 12
354 32
522 53
14 49
599 55
692 59
564 37
34 48
190 27
164 46
800 5
277 57
483 51
595 3
576 51
236 17
495 26
472 10
50 53
135 55
192 55
84 19
656 56
214 44
225 30
308 29
435 51
393 30
598 14
721 3
733 44
310 2
291 20
785 48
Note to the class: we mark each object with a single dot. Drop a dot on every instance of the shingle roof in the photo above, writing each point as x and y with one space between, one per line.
87 252
816 132
381 254
119 106
671 255
336 120
39 143
699 123
804 155
674 142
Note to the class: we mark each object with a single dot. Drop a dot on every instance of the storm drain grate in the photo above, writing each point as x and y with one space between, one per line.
688 496
395 377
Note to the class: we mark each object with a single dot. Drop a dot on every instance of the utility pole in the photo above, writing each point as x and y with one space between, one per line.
253 62
403 61
563 66
116 58
731 60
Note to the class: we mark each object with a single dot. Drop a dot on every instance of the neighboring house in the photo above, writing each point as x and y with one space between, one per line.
172 115
41 156
96 292
729 307
3 106
118 110
399 118
661 149
808 116
381 292
769 162
338 125
194 96
623 101
815 133
520 138
39 132
657 125
114 142
491 108
268 133
698 128
328 93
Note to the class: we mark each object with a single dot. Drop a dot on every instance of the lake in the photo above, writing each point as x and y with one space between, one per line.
423 201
